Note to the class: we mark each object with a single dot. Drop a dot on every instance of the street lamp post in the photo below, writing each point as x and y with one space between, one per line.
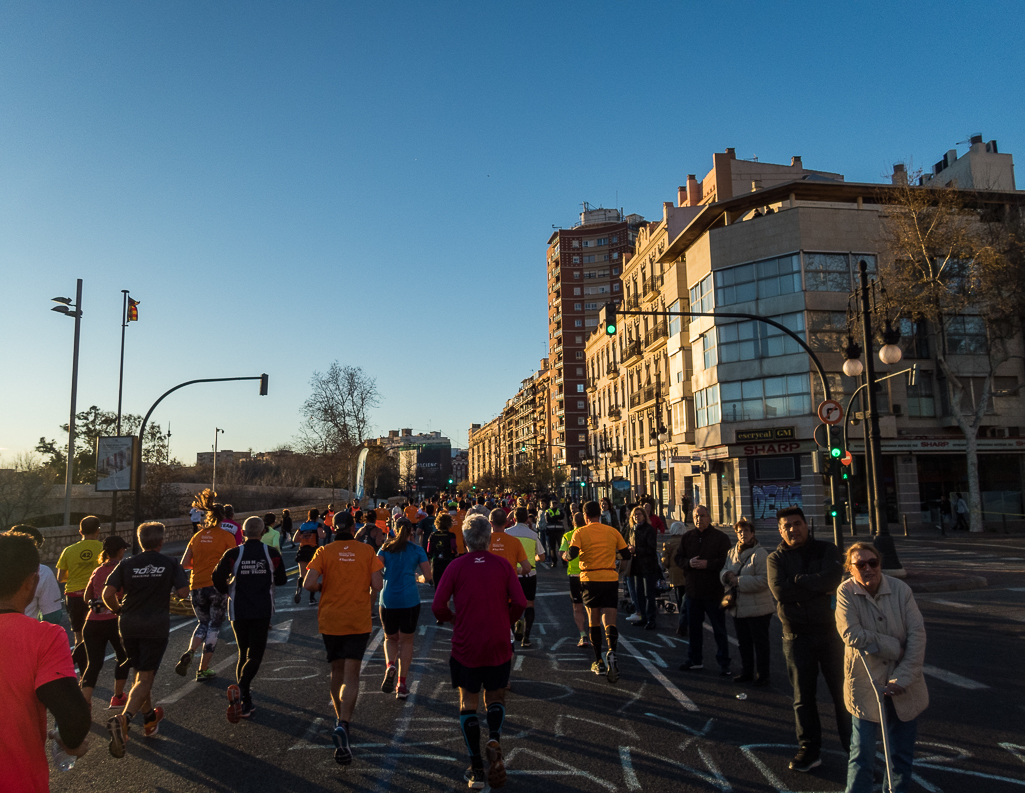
65 308
659 434
213 485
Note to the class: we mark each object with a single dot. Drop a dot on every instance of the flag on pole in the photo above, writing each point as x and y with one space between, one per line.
133 310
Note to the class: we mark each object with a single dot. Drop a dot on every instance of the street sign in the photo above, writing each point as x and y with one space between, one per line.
830 412
847 459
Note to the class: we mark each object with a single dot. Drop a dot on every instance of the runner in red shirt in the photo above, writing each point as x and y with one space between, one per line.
488 599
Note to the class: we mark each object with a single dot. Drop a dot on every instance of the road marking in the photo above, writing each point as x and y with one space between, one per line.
558 644
306 742
280 633
715 778
400 731
564 769
629 776
541 627
953 679
729 638
519 663
371 649
633 698
949 603
192 685
698 733
594 723
680 697
658 659
1015 749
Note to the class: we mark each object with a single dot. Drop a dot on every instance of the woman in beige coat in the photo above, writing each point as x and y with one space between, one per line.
747 570
877 616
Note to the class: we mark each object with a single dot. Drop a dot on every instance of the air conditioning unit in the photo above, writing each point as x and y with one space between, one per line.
997 432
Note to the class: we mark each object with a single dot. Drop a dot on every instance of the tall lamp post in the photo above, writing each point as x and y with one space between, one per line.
587 463
69 309
659 434
217 432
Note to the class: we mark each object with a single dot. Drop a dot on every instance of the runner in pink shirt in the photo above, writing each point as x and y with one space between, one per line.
488 599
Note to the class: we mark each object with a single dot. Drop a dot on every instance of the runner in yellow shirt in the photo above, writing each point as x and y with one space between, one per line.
75 565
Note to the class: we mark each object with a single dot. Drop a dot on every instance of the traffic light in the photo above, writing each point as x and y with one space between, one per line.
836 451
833 510
583 484
607 318
264 379
450 481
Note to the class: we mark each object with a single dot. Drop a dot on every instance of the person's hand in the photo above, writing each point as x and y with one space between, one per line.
78 751
698 564
893 690
630 548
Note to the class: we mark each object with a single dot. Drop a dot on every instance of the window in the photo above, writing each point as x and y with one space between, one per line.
590 306
615 287
828 331
588 243
604 258
921 401
1005 386
580 371
581 421
589 259
827 272
615 238
701 295
839 386
748 341
966 335
576 260
576 277
914 338
615 256
591 323
770 397
581 404
596 290
576 243
578 339
708 349
580 388
576 306
971 396
706 406
578 323
615 271
581 437
767 278
578 355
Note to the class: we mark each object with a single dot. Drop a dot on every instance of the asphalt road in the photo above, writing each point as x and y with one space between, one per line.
566 730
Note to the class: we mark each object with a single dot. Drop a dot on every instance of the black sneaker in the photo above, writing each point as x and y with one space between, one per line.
182 667
343 754
388 684
247 707
518 629
690 666
297 597
474 778
612 673
805 760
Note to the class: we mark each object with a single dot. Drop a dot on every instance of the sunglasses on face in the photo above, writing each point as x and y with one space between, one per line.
871 563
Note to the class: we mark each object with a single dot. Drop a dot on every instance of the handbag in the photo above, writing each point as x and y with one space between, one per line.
729 599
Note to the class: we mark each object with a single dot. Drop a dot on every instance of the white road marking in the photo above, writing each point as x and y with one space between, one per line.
699 733
558 644
953 679
629 776
1015 749
950 603
729 638
279 633
658 659
519 663
669 686
541 627
371 649
563 769
192 685
715 778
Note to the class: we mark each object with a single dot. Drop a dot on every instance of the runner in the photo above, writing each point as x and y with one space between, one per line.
271 536
505 545
75 565
196 517
286 527
528 580
441 547
426 525
457 526
40 676
597 546
555 526
400 604
345 572
46 603
411 512
101 627
229 523
144 622
381 516
579 616
329 523
488 599
308 536
247 575
205 550
371 533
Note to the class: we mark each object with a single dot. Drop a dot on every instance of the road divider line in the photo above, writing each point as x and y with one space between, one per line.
192 685
654 671
952 678
731 640
279 633
371 649
629 775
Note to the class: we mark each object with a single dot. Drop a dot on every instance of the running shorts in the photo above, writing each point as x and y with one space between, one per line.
600 594
351 646
472 678
574 589
77 609
305 554
400 620
144 655
529 584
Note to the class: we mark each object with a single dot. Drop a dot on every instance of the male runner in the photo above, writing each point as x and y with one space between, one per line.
532 546
308 535
575 596
144 621
555 526
345 573
488 599
247 575
505 545
75 565
597 546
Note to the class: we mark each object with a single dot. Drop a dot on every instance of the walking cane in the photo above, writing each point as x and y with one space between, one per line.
882 722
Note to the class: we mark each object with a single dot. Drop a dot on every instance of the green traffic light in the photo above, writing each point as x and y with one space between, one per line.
583 484
610 328
833 512
835 452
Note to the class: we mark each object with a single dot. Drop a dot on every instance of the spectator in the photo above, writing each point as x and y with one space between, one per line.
702 554
746 572
40 676
644 567
286 527
654 518
878 619
961 507
803 576
47 603
677 576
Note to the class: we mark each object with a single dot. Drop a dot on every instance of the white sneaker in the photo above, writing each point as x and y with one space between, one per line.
634 618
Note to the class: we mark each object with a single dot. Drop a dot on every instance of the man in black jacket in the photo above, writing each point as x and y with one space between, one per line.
248 575
803 576
702 554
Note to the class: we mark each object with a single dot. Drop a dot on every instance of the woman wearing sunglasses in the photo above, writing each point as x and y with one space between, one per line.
878 619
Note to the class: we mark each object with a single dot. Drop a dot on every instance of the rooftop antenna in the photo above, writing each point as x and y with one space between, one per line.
970 136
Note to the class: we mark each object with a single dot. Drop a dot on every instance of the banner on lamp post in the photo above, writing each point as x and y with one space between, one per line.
114 462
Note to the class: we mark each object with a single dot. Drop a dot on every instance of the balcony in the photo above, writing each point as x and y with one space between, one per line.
642 397
657 333
615 414
592 422
557 333
631 303
592 385
631 350
612 370
652 287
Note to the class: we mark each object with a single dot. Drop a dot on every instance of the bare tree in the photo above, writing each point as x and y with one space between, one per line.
953 261
24 487
336 415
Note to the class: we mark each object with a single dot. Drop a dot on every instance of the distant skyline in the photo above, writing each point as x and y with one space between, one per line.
282 186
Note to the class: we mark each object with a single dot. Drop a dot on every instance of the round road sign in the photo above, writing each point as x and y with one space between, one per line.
830 412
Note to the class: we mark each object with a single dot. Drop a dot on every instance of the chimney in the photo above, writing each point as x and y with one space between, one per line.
393 433
666 206
731 153
693 191
899 176
681 196
756 185
795 162
976 139
407 432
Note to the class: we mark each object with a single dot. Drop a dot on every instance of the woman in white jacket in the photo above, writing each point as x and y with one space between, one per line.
746 570
877 615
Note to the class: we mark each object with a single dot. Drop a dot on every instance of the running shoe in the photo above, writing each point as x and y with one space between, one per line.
298 596
691 666
234 703
205 674
635 617
518 629
584 642
151 722
496 764
527 643
474 778
182 667
388 684
118 701
247 707
613 667
598 667
117 726
313 601
805 760
343 754
402 691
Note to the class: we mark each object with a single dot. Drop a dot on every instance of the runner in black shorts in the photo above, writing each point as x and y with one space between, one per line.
308 535
575 595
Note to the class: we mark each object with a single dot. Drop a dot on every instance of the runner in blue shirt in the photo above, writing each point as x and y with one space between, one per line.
400 604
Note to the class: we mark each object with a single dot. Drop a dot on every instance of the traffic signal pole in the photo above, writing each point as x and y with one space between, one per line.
607 318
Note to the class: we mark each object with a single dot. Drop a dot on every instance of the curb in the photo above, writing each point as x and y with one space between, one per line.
952 585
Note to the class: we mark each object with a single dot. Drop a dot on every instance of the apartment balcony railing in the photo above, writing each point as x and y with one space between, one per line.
615 414
652 287
642 397
658 332
592 385
631 303
631 350
612 370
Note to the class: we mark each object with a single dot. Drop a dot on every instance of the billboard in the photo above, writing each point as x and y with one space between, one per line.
114 462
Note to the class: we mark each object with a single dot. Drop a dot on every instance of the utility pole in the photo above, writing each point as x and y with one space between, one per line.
65 308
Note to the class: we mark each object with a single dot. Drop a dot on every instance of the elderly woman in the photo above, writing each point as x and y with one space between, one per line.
878 620
644 567
747 572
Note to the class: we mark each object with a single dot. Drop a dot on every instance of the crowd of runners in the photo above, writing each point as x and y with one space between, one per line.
481 555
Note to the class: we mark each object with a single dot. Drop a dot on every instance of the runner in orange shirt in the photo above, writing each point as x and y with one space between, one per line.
346 573
507 546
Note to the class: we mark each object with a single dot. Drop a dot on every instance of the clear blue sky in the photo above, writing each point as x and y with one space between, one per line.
286 184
